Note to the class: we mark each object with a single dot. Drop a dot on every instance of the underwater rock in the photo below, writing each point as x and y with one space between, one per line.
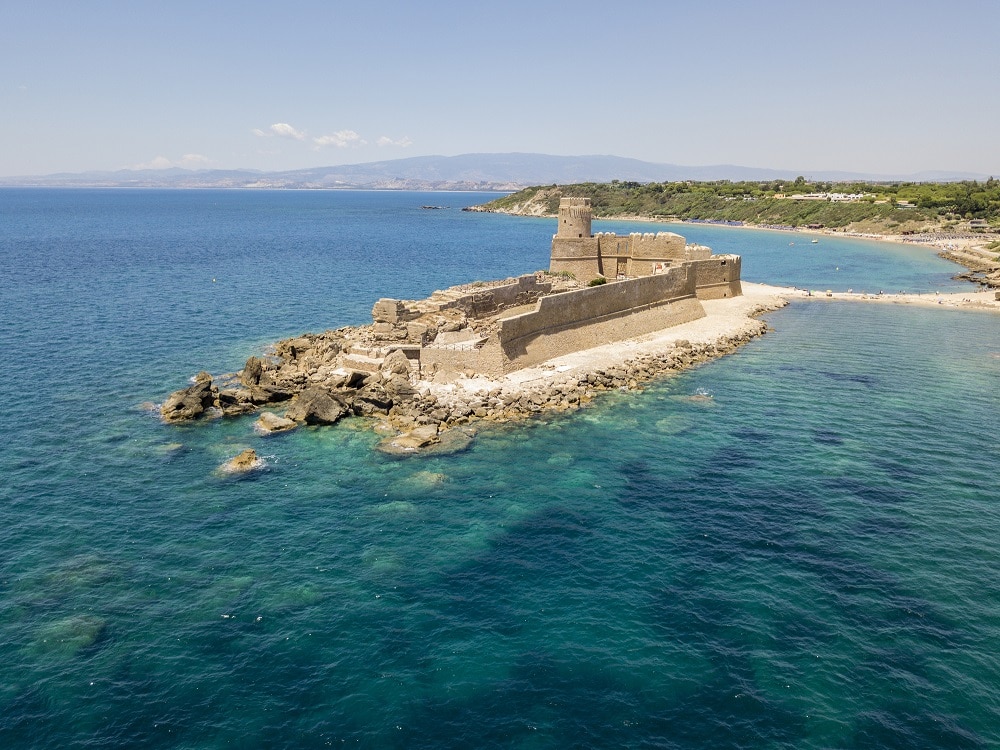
415 439
426 440
270 422
70 635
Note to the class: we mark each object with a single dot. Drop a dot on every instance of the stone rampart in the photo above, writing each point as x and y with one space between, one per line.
577 256
483 358
583 319
718 276
659 246
474 300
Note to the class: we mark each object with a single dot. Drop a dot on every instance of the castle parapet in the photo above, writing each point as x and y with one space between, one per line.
575 217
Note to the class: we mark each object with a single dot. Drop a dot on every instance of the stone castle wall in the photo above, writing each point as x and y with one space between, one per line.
658 246
718 276
657 281
570 322
474 300
636 255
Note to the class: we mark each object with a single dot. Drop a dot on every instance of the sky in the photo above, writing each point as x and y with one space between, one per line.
887 87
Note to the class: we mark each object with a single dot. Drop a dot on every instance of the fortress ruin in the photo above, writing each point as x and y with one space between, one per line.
606 255
655 281
483 332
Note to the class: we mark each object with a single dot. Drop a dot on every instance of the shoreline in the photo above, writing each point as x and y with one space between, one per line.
426 417
961 248
981 300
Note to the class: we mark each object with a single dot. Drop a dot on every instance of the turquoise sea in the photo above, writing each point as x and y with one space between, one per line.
807 560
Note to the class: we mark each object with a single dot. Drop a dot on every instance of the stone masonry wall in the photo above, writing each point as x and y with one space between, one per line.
659 246
718 276
570 322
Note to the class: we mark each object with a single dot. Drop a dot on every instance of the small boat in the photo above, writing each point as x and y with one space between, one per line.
814 241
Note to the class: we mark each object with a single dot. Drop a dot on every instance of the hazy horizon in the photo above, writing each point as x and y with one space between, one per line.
896 88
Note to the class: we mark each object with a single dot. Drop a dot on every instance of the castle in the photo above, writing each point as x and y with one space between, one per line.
654 282
606 255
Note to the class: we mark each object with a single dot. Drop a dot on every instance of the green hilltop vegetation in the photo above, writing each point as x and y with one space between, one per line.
889 208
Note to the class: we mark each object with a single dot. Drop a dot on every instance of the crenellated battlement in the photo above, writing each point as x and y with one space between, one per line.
575 217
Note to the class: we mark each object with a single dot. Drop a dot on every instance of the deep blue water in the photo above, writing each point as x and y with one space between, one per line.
808 560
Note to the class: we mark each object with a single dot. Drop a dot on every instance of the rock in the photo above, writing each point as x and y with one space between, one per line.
244 462
299 346
189 402
252 371
355 379
398 387
387 311
235 401
69 636
396 363
372 398
266 394
418 437
316 406
270 422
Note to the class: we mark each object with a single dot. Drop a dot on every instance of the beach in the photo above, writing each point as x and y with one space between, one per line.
971 300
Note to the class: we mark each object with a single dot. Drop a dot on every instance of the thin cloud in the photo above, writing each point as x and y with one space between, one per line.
282 130
285 130
403 142
340 139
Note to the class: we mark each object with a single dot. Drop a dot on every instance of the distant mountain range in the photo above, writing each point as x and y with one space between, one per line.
499 172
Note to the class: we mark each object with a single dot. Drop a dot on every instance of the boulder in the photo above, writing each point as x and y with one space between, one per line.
252 371
373 398
270 422
235 401
396 363
388 311
418 437
244 462
316 406
355 379
189 402
398 387
265 394
299 346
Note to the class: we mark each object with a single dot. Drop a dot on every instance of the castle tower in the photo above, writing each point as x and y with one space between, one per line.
574 218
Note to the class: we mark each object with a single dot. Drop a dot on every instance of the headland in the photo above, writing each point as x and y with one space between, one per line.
610 313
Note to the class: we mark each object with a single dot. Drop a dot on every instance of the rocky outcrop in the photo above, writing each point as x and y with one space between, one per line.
190 402
368 371
269 423
316 406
